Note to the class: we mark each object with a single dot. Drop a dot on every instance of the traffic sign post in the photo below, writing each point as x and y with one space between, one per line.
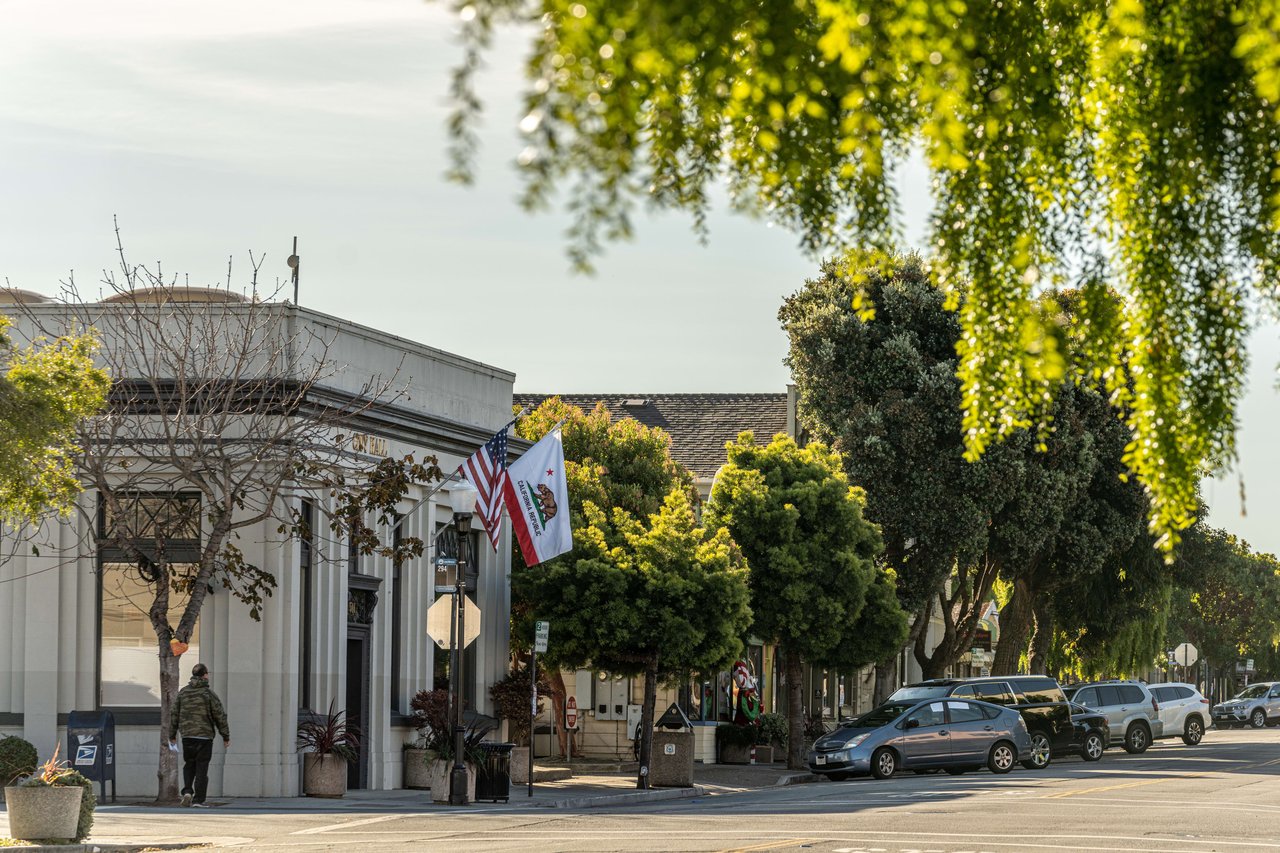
570 723
541 631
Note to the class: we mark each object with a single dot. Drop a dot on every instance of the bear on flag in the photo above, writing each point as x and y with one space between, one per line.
537 499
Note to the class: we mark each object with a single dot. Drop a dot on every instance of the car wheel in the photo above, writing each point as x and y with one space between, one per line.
1137 739
1001 758
957 771
884 763
1092 748
837 777
1258 718
1193 732
1041 754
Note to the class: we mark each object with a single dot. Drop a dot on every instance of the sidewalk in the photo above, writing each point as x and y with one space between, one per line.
593 785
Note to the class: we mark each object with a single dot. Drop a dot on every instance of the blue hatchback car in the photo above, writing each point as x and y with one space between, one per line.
951 734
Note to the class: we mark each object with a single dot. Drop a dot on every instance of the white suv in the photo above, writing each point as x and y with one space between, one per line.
1182 710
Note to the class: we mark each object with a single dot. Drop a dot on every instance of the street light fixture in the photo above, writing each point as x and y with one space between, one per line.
462 498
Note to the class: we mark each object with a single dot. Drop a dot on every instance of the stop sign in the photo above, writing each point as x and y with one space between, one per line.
571 713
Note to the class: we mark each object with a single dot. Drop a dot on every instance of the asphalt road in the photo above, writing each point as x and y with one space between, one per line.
1223 795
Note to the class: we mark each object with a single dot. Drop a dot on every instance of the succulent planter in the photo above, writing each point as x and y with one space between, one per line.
441 770
43 812
520 765
324 775
417 768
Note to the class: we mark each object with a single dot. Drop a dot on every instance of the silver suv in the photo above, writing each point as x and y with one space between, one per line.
1182 710
1257 705
1131 711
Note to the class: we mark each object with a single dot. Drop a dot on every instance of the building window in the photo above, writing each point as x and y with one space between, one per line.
138 532
306 569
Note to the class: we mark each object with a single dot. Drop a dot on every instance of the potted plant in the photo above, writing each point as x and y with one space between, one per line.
511 698
54 802
734 742
431 719
17 758
331 742
441 768
774 731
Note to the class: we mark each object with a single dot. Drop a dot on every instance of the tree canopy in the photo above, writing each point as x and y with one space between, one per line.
643 591
46 390
815 588
1102 145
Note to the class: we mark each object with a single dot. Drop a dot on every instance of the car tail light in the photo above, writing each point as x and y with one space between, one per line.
1204 701
1155 706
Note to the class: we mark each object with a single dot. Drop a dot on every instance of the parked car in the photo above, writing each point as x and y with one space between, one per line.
953 735
1038 698
1132 713
1183 711
1092 734
1257 705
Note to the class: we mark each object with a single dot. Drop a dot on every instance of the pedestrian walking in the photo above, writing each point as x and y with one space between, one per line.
198 715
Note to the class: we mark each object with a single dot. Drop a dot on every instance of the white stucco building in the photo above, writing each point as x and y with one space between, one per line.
340 627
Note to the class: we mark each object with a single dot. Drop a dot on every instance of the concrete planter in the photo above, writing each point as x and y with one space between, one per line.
38 813
324 775
735 753
520 765
441 770
417 768
764 755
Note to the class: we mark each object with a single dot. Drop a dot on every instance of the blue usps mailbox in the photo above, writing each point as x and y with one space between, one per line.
91 748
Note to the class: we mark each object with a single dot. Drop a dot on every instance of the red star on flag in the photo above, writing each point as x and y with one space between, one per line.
550 472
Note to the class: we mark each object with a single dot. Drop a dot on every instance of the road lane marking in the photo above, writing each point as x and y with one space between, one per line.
339 827
772 845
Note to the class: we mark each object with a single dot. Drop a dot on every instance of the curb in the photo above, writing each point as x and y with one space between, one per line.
630 799
797 779
90 847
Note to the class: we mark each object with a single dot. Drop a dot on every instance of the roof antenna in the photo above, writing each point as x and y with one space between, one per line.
293 265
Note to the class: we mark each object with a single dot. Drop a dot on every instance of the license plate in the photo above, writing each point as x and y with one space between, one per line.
821 759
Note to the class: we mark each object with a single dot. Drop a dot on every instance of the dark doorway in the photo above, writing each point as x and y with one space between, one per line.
358 701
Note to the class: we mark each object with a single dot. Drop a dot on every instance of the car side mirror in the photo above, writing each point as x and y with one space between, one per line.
911 724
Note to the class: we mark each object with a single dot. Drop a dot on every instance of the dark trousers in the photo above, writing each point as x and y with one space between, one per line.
196 754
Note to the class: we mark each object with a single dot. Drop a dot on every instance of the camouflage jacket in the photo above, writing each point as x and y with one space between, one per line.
198 712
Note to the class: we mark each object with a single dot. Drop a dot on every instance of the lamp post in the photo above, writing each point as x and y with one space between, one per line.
462 497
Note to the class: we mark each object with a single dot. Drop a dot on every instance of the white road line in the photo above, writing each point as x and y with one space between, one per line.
338 827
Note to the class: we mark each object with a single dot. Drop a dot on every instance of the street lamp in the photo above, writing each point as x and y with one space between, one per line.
462 498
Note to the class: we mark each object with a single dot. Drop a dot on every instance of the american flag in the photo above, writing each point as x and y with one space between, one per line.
487 471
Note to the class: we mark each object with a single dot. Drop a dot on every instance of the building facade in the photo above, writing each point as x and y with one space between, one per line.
342 629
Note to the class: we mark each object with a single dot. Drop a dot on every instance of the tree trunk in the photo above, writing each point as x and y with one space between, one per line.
646 721
796 745
170 678
886 680
1015 624
1042 639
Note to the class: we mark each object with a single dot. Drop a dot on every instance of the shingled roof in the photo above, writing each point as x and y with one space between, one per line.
699 424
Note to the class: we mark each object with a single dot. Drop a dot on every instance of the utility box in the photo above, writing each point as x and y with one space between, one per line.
91 748
672 760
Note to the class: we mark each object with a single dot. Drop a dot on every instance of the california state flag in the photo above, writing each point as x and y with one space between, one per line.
537 500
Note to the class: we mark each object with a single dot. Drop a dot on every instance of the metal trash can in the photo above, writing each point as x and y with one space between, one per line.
493 776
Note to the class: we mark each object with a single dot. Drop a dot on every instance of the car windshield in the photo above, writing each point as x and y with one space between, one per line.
1253 691
919 692
881 716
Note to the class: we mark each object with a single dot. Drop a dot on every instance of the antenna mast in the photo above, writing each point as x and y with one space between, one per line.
293 265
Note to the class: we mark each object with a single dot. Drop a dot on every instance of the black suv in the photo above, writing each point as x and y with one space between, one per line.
1038 698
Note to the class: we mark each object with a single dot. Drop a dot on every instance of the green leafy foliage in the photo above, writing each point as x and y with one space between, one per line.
17 758
511 697
1078 143
728 734
773 730
46 390
815 587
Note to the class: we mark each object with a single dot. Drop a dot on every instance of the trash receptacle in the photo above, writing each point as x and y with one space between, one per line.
493 776
672 757
91 748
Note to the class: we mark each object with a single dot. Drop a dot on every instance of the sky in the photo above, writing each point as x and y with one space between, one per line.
214 130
